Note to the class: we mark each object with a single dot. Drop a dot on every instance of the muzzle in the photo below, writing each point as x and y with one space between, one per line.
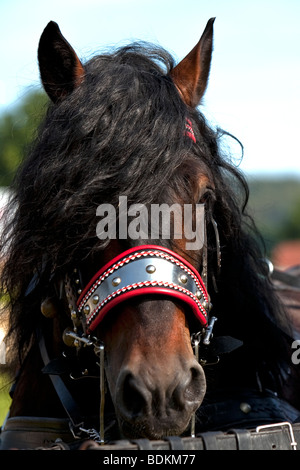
143 270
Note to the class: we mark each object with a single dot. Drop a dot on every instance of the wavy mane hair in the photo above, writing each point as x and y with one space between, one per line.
108 139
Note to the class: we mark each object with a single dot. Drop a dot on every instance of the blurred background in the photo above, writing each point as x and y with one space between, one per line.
253 92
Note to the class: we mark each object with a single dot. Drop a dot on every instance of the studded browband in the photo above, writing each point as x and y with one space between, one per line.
143 270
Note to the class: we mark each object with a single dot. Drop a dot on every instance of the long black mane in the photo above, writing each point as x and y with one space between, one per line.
122 133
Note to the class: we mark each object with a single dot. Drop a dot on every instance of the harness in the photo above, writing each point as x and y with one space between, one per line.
152 270
142 270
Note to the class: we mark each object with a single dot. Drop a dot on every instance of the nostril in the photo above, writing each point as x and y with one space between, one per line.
132 400
195 386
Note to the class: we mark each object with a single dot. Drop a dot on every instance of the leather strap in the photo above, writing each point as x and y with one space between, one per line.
143 444
28 432
210 440
277 438
175 442
243 438
66 399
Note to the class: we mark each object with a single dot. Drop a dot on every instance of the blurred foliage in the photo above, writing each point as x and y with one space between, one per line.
5 400
291 229
275 206
17 129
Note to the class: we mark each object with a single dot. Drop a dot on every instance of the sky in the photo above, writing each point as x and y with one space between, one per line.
254 89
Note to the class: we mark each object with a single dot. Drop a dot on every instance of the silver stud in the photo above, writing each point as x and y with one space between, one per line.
205 304
116 281
79 291
183 278
96 299
245 408
77 281
86 309
150 269
199 294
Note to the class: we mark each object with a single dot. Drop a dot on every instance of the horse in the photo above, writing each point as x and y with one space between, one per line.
119 330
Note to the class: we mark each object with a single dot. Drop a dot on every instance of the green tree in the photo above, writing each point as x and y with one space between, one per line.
291 229
17 129
275 206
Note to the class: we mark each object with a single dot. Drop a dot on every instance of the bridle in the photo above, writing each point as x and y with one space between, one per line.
142 270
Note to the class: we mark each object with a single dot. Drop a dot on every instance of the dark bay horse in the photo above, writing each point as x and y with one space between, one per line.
182 319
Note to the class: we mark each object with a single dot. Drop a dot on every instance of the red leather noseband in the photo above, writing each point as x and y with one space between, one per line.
143 270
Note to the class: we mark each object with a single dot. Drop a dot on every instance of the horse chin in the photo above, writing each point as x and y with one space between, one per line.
152 430
155 427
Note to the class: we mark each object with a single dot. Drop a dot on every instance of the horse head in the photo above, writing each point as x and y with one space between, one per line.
155 381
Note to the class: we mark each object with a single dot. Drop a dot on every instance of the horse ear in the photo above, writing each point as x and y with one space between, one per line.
60 68
191 74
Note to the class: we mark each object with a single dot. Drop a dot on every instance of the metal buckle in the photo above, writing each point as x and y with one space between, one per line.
280 425
209 331
91 433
